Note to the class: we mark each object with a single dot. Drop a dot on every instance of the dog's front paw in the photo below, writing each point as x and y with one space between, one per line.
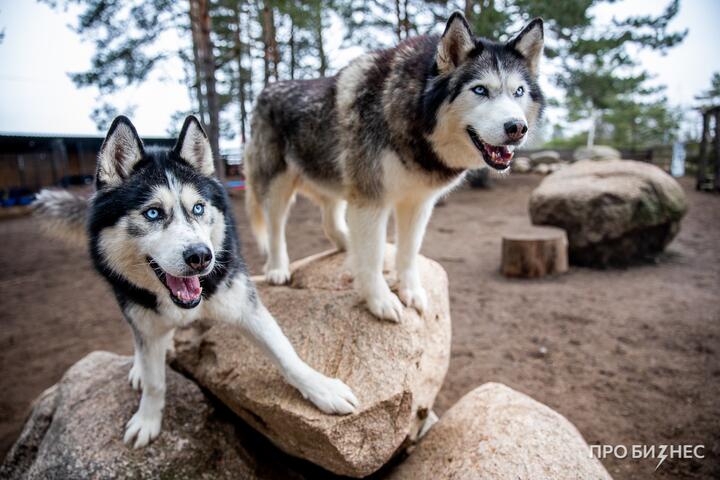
386 306
143 429
414 297
135 377
278 276
328 394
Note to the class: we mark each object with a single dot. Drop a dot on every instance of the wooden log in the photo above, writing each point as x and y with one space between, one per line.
532 251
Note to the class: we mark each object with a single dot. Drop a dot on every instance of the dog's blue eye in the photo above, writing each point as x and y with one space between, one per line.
480 90
152 213
199 209
519 92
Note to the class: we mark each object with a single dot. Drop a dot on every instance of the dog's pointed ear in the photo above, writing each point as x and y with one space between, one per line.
455 44
194 147
120 152
529 42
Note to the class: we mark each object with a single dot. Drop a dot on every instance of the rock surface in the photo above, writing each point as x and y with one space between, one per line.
395 370
76 430
615 212
496 432
541 169
521 165
544 157
596 152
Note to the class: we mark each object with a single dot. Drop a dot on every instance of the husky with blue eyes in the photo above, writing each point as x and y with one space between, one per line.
162 234
391 132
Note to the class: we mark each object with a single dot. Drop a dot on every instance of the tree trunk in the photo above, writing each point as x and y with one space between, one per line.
398 21
240 51
271 56
200 20
266 45
248 91
197 85
469 11
534 252
593 126
406 20
320 43
291 44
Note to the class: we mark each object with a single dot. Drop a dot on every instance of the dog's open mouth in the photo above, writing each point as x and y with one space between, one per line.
498 158
186 292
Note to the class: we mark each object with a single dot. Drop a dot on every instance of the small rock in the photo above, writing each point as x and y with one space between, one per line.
596 152
544 157
554 167
521 165
496 432
395 370
542 169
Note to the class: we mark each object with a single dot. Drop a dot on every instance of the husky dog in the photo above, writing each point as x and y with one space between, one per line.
395 129
163 235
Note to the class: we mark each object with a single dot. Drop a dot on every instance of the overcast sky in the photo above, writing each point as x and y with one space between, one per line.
36 95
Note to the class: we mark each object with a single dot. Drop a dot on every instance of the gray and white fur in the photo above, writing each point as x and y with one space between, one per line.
391 132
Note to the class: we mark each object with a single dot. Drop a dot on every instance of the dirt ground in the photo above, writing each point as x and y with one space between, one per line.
629 356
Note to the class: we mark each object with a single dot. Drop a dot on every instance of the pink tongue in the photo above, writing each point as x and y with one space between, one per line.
501 154
187 289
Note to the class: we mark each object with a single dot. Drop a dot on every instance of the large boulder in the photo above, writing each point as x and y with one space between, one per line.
615 212
596 152
395 370
76 430
544 157
496 432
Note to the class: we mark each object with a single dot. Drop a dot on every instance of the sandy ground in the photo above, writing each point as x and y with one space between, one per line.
629 356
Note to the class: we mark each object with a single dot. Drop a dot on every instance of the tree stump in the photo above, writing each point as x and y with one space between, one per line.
532 252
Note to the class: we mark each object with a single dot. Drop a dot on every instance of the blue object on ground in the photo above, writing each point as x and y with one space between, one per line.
236 184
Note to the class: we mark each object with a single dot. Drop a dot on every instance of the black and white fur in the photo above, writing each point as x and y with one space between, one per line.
394 130
162 234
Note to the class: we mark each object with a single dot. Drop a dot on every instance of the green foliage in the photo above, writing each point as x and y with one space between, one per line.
711 96
633 124
600 75
596 70
562 141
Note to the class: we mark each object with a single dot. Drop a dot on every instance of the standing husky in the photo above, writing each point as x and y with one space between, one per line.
395 129
162 234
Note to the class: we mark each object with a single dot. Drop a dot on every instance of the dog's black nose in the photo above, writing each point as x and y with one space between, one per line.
516 129
198 257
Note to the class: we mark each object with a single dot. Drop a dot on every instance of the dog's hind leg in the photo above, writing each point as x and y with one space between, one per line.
145 424
276 206
333 214
334 225
368 227
411 221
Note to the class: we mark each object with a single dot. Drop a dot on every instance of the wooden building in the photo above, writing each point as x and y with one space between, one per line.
708 173
30 162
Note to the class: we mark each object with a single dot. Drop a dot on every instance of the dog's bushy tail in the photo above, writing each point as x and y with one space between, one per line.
63 214
253 205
